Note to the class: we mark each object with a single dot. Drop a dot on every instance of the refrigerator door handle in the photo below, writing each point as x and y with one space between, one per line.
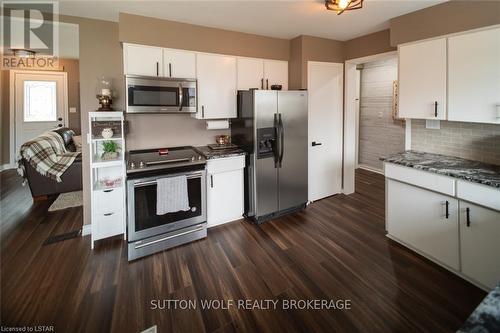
276 147
282 139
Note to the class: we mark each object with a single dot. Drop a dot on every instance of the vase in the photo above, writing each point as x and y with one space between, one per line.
107 133
110 155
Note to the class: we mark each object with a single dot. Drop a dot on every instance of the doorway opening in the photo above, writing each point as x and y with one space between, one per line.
380 132
372 126
40 103
46 93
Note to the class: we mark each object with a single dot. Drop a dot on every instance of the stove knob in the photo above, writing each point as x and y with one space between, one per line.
132 165
141 164
199 157
192 158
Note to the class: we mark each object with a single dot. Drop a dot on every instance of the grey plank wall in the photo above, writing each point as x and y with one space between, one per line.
479 142
379 134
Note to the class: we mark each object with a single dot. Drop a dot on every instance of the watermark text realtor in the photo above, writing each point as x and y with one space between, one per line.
251 304
30 34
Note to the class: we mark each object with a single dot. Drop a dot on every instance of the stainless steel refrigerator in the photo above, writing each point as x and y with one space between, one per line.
272 127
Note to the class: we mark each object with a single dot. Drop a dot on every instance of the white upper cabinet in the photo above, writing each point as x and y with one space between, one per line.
422 80
179 64
250 73
261 73
216 86
474 77
275 72
142 60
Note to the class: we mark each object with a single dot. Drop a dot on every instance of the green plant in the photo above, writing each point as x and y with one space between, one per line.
109 147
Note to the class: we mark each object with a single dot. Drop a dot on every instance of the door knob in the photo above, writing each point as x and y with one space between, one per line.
314 143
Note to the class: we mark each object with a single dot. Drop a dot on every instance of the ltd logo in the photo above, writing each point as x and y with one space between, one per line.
29 28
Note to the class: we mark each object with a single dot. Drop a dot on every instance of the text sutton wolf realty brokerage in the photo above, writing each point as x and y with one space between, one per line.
251 304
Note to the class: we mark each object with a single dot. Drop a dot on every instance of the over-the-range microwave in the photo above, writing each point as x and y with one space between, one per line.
145 94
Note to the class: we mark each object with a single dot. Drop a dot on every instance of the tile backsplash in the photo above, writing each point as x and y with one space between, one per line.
472 141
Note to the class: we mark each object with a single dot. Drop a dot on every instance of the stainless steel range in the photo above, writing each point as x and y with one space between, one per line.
148 231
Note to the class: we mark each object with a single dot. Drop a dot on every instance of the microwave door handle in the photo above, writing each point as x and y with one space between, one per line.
180 97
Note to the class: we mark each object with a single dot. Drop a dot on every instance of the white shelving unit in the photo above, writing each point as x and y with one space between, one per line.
107 181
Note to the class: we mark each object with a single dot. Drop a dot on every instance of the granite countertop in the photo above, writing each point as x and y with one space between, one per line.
486 317
211 154
474 171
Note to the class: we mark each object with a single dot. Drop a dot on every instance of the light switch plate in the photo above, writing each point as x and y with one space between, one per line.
432 124
72 109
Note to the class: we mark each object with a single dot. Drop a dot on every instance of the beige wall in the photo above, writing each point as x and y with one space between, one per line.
320 49
72 68
295 64
375 43
151 31
442 19
100 55
309 48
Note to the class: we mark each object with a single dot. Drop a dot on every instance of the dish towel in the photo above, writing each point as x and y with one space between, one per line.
171 195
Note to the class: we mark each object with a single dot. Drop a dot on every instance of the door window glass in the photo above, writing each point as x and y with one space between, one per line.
40 102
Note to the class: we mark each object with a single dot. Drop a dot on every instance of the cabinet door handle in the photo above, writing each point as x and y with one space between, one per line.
108 214
262 83
435 109
267 84
107 191
170 69
157 68
447 215
203 111
212 181
467 212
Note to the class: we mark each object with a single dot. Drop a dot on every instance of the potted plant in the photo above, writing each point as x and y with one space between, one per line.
110 150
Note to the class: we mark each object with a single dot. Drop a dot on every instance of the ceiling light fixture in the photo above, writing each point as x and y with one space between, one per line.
23 53
341 6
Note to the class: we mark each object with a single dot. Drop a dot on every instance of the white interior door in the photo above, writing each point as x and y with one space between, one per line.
325 82
41 101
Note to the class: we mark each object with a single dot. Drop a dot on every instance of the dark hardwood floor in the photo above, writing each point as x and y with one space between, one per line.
335 249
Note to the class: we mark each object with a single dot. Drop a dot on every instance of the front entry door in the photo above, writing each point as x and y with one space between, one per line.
325 86
41 102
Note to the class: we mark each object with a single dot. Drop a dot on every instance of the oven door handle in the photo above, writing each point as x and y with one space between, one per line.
139 245
180 97
152 182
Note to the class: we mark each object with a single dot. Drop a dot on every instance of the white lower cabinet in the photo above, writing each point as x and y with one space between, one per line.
225 199
480 243
447 228
425 220
108 213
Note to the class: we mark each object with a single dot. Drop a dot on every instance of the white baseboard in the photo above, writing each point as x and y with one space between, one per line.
86 229
364 167
7 166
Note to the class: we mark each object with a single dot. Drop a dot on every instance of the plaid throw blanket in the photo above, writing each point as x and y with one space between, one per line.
46 154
